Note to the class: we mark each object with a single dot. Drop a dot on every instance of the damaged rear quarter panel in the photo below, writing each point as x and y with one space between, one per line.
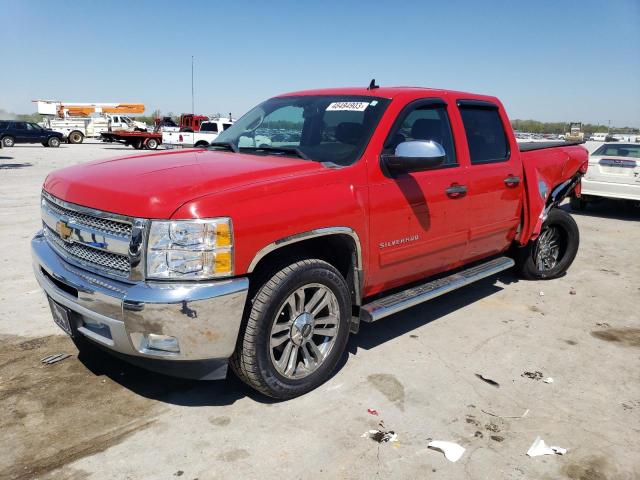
551 166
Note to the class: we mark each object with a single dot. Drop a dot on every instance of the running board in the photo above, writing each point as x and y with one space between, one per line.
385 306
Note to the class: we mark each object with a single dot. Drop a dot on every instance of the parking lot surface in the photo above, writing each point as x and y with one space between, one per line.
91 416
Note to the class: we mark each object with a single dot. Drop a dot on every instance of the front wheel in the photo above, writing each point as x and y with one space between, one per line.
552 253
8 142
296 330
54 142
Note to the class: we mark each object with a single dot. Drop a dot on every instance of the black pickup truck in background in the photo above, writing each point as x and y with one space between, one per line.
13 131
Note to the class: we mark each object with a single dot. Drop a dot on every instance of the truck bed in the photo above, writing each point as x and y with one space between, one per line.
529 146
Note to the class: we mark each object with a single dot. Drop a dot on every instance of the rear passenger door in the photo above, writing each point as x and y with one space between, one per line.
495 179
20 132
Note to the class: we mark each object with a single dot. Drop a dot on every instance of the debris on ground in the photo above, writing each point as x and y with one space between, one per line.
603 325
452 451
539 447
572 291
541 293
381 436
179 473
526 412
548 380
492 427
55 358
497 438
371 411
488 380
533 375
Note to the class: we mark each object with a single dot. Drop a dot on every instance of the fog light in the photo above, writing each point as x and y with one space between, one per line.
164 343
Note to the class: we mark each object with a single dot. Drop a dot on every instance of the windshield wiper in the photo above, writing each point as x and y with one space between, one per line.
286 150
228 145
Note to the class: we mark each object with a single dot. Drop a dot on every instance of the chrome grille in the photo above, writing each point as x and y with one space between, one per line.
98 241
106 225
91 257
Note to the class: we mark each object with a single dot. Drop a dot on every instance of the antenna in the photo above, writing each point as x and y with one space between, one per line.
373 85
193 110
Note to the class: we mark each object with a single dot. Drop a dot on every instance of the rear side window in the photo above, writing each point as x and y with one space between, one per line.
485 135
20 126
209 127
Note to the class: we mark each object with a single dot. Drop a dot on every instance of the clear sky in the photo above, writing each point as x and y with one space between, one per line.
551 60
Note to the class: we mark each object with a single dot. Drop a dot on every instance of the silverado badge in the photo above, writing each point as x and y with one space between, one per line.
63 230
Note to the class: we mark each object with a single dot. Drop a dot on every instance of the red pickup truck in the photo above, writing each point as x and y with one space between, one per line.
315 211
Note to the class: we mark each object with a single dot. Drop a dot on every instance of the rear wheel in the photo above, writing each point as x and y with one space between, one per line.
137 145
552 253
152 144
296 330
53 142
75 137
8 141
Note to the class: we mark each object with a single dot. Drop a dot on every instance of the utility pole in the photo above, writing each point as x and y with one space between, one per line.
193 110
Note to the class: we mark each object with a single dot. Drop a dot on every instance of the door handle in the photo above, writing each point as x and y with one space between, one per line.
512 181
456 191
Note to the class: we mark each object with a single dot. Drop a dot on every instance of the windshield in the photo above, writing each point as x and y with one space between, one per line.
619 150
325 128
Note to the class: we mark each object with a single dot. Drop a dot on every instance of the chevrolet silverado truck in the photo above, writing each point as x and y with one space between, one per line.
266 256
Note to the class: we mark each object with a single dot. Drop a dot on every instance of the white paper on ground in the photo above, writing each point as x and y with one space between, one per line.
452 451
548 380
538 447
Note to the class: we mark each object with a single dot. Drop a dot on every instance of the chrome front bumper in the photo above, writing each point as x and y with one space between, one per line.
204 317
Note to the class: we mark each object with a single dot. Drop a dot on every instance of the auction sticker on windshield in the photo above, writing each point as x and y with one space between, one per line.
347 106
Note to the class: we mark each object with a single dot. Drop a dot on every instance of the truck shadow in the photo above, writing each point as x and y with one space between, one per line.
166 389
372 335
196 393
606 208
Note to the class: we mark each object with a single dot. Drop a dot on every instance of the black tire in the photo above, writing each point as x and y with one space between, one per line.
8 141
75 137
252 360
201 145
53 142
560 222
577 204
138 145
44 144
152 144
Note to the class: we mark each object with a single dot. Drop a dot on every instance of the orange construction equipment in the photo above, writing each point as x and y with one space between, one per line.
66 109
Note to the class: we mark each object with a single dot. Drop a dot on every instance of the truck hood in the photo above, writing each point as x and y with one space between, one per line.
155 185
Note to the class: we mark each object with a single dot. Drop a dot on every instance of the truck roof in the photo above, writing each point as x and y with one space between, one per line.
388 92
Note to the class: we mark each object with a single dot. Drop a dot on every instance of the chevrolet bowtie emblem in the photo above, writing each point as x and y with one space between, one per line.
63 230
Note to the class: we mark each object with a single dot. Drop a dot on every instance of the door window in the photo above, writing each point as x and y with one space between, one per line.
424 122
21 126
485 135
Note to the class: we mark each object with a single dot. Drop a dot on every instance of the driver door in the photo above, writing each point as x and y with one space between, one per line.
418 221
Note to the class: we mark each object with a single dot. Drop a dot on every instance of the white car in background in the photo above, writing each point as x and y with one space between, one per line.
614 172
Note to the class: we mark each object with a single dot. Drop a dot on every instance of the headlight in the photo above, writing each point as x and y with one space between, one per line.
190 249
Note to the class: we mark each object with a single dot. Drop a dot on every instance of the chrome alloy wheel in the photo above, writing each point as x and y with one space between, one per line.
547 251
304 331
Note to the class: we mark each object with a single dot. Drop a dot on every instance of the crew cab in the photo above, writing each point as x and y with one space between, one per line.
12 132
266 256
207 133
614 172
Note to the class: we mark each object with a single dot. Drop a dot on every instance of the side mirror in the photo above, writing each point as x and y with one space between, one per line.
414 156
